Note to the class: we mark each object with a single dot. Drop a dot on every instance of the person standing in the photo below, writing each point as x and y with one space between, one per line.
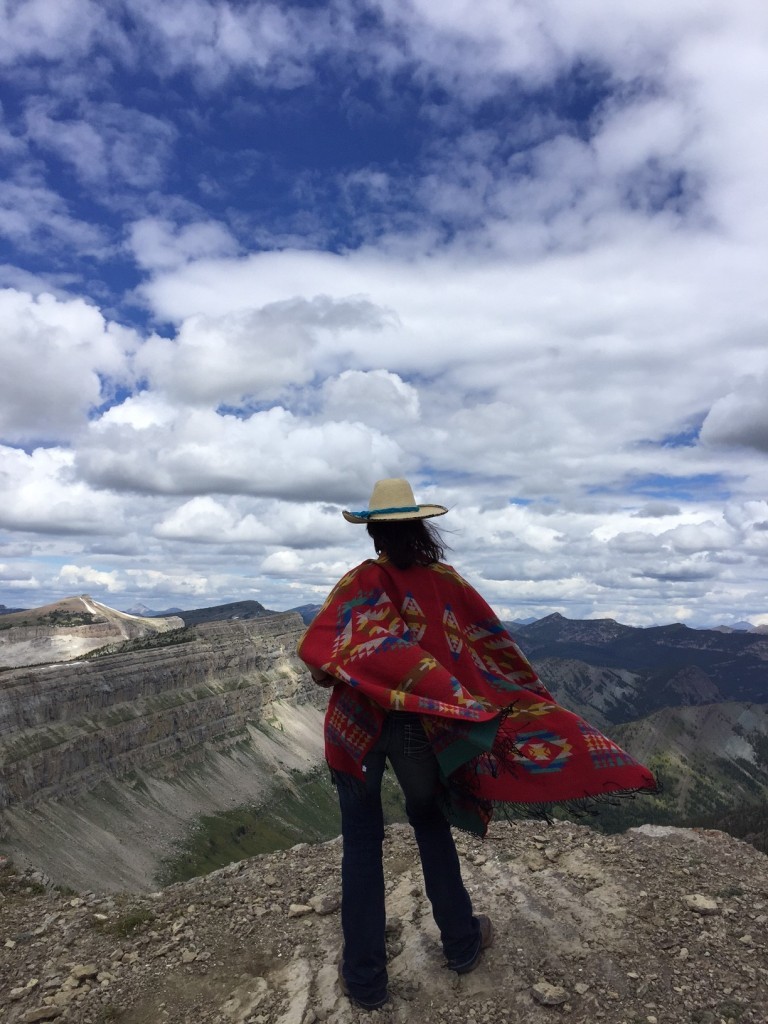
425 676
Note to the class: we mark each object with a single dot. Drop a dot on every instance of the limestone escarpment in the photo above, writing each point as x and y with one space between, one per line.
64 728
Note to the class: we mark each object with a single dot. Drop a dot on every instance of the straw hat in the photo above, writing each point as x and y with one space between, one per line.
392 501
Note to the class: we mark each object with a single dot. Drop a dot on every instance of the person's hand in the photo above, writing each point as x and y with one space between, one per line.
321 677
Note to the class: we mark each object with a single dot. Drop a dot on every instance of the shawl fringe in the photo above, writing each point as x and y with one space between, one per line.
461 791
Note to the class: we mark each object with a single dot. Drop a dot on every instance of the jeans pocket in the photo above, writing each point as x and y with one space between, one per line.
415 743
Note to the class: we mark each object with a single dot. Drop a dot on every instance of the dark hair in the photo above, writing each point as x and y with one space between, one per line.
407 542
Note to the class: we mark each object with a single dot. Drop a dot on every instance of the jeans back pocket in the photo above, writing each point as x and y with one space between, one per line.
415 742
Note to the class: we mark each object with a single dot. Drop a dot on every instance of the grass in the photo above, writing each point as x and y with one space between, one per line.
42 739
730 1011
55 618
730 891
152 641
306 813
130 922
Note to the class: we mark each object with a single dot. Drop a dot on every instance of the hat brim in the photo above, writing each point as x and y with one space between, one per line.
424 512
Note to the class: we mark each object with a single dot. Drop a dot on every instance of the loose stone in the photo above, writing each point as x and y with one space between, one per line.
299 910
549 995
701 904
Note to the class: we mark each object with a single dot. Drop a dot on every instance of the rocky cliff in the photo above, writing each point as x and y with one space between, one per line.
63 728
653 926
709 758
119 754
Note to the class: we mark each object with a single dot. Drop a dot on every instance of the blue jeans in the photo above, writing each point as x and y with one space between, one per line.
363 917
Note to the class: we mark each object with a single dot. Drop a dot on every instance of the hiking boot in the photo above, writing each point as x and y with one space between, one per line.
486 940
361 1003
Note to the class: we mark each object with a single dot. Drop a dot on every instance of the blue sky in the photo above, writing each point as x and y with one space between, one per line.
254 256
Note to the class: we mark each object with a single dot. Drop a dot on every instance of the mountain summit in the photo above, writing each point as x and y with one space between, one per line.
655 925
70 628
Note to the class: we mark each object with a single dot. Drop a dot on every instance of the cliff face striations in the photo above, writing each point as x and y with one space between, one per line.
144 740
65 727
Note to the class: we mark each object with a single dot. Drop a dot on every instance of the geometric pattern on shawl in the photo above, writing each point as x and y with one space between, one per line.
423 640
453 636
413 617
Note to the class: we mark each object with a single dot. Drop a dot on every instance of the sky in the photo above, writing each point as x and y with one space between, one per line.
255 256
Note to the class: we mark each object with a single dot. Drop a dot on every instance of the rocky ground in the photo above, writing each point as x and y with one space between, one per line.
649 927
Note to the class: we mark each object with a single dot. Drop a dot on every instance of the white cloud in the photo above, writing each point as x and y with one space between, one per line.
233 358
36 218
289 567
251 354
58 359
40 493
747 515
271 453
513 39
740 419
282 563
264 41
201 519
627 526
55 284
52 29
75 141
512 527
14 577
75 577
544 376
378 397
466 44
266 523
161 245
691 539
651 128
107 143
188 584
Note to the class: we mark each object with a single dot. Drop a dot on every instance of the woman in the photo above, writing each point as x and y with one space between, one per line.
424 675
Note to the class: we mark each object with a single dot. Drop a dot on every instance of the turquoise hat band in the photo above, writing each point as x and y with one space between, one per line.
368 512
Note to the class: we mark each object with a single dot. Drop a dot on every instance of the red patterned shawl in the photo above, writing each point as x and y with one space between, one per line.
423 640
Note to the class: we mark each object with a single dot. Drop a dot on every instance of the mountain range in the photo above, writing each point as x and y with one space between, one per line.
692 704
160 720
643 670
